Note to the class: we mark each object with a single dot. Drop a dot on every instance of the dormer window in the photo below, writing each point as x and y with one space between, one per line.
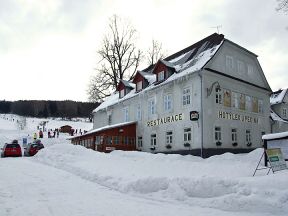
122 93
161 76
139 86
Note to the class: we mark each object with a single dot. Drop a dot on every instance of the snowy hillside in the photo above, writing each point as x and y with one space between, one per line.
63 179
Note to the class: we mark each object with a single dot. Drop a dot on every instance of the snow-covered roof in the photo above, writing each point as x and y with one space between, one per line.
275 136
104 128
276 117
186 61
128 84
151 78
278 96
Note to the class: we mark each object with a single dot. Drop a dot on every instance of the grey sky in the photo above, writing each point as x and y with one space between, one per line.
48 48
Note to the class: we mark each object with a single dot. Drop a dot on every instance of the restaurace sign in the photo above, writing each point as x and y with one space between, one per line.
164 120
237 117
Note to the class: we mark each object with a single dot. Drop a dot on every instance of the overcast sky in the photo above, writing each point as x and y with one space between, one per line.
48 48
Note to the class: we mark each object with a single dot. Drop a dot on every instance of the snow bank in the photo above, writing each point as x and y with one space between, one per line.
223 182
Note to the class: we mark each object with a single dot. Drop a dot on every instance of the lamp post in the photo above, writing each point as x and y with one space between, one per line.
209 90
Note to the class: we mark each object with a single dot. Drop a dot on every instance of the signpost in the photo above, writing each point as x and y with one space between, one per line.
276 159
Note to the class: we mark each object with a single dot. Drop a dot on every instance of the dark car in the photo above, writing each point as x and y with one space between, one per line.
11 150
33 148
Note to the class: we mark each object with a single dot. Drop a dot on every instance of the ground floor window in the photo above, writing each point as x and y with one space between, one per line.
187 134
217 132
169 137
140 142
234 136
153 140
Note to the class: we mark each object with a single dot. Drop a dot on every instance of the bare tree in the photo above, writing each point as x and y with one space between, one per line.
119 59
155 52
282 5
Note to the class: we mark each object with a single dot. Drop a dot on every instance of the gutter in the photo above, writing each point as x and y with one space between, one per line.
201 113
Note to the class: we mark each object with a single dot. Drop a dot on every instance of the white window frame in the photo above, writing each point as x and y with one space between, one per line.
234 135
248 103
153 140
161 76
168 103
122 93
250 70
248 135
217 134
187 134
229 63
140 141
240 67
218 96
235 99
139 85
169 137
260 106
138 112
151 106
284 112
186 96
126 114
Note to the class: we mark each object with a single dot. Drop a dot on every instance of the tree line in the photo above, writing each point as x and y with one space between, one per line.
44 109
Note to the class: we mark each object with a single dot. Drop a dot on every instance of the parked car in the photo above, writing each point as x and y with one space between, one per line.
11 149
33 148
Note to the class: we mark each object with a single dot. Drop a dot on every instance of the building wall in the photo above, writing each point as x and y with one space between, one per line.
258 123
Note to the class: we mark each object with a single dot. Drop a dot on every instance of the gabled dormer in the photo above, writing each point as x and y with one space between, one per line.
163 69
143 79
124 87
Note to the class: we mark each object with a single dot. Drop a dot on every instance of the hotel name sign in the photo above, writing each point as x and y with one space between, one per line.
164 120
237 117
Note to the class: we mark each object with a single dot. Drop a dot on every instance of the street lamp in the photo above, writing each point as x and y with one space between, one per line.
209 90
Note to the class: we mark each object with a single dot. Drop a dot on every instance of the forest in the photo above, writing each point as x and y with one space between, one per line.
43 109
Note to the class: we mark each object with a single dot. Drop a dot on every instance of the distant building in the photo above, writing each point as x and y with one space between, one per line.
279 111
65 129
209 98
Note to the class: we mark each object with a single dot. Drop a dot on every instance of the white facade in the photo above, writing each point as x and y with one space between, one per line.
162 110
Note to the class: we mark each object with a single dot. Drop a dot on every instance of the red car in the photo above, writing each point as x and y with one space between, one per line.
11 150
33 148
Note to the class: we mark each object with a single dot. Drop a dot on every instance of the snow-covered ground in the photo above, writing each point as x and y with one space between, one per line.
63 179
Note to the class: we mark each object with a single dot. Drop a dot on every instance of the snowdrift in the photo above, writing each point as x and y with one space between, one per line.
223 182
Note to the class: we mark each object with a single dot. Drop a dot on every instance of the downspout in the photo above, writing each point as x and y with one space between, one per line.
201 112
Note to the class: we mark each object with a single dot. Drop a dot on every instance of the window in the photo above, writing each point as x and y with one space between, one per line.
248 103
240 67
217 132
167 102
284 112
242 101
153 140
186 96
260 106
126 114
229 63
151 106
234 135
140 142
218 96
116 140
250 70
139 86
161 76
227 98
169 137
248 136
122 93
138 112
109 119
235 100
187 134
254 104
